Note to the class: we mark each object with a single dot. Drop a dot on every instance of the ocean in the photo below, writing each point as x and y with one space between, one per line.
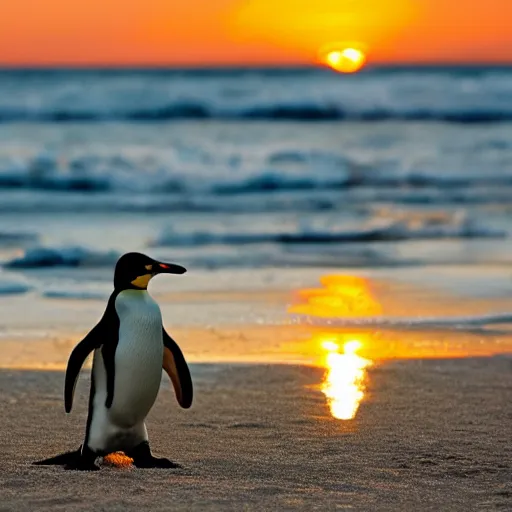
403 172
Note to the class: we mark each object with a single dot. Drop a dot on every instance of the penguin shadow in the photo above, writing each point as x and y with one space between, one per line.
115 461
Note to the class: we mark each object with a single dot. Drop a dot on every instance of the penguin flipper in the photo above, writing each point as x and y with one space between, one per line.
176 367
106 333
76 360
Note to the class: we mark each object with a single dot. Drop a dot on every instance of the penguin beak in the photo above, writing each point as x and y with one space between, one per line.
168 268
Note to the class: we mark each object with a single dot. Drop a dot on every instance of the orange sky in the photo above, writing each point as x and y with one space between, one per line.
198 32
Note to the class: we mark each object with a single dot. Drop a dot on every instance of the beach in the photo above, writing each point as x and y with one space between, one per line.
430 435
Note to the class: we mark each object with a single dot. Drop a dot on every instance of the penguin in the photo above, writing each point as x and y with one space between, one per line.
130 347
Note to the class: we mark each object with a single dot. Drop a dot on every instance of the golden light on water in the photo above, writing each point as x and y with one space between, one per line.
346 352
330 346
344 382
345 60
340 296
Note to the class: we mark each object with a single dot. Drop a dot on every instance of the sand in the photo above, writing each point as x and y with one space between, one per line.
429 435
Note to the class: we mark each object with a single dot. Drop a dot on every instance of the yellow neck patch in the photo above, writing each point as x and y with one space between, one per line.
142 281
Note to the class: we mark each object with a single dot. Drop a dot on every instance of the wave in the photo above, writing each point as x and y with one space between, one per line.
74 294
90 182
291 170
277 112
43 257
279 202
14 239
394 322
416 228
321 113
12 286
273 181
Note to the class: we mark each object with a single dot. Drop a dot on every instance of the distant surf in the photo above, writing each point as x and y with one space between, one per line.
74 256
284 112
254 169
454 95
280 170
390 231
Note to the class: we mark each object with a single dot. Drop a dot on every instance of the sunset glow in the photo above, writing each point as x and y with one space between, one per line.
227 32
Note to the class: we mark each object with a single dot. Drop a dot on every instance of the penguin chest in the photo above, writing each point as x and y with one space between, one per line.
138 357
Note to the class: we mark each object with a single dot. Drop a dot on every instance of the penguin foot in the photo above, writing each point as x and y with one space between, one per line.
84 461
142 458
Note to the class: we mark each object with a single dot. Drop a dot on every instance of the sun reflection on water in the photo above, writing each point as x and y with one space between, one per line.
341 296
344 382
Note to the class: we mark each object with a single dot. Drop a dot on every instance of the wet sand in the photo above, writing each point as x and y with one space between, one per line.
429 435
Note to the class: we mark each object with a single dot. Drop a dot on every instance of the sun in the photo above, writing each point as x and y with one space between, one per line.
344 60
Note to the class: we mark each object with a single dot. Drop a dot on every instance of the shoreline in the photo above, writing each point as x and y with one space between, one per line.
280 344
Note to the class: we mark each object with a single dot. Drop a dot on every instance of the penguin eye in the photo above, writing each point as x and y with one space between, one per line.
149 267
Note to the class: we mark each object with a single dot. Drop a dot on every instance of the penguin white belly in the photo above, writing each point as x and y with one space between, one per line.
138 373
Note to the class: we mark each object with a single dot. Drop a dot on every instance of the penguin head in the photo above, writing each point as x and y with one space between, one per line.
134 270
